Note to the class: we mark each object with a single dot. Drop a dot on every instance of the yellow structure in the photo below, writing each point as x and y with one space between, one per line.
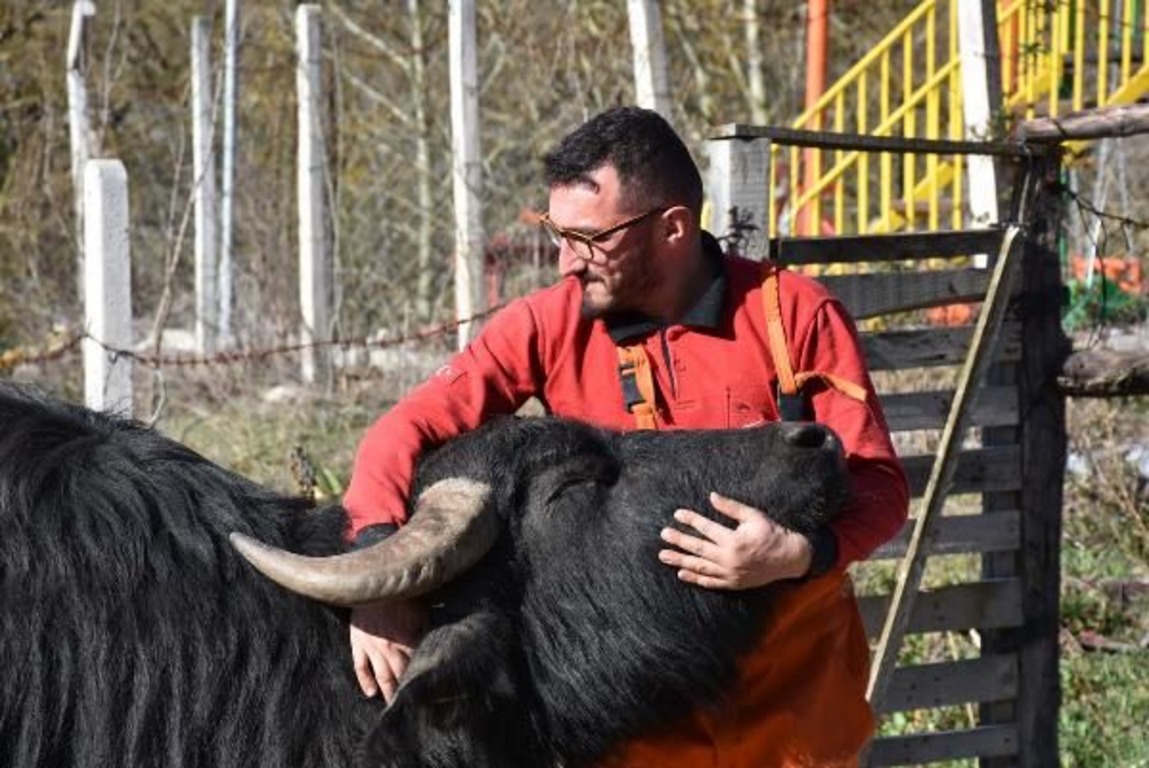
1057 56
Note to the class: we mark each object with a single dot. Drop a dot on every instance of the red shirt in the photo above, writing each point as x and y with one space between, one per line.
711 370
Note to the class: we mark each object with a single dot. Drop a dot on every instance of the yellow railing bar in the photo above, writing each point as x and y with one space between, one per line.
1102 51
1079 56
863 184
839 188
957 120
932 114
1144 37
1054 60
1126 40
886 164
909 127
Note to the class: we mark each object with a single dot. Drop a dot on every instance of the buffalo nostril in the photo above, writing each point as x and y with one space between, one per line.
807 435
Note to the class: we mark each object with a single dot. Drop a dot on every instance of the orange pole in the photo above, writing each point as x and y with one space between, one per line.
817 33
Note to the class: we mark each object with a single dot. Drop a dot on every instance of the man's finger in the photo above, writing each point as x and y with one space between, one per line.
364 674
716 532
735 510
387 673
687 562
702 580
688 543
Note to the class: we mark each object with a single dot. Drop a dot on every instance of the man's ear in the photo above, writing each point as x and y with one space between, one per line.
679 225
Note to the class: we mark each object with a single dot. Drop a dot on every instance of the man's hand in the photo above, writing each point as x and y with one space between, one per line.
383 637
756 551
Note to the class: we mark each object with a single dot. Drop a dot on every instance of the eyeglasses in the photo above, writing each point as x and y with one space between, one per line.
582 243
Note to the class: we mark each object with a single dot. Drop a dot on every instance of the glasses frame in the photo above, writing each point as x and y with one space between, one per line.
557 234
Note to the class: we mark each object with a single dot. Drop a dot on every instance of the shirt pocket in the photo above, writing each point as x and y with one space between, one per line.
749 404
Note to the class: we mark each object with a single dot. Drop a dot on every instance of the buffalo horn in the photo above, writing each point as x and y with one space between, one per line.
448 533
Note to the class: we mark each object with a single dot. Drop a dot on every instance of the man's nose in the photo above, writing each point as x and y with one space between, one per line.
570 263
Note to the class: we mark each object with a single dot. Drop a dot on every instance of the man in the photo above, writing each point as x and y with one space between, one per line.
652 327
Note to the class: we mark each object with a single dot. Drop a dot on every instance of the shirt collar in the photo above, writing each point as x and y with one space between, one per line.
705 313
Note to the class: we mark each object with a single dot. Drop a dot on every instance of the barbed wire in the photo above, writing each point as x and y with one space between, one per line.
56 349
1087 205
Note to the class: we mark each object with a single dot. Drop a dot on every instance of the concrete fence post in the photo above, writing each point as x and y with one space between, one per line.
315 280
107 288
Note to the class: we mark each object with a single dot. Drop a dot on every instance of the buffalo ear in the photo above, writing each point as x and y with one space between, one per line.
584 472
464 681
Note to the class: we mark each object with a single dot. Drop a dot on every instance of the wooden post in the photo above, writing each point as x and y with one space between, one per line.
79 134
651 82
739 192
204 194
1042 439
107 288
981 95
466 168
314 259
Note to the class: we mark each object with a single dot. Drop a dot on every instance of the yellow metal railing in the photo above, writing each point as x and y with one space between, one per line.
1056 55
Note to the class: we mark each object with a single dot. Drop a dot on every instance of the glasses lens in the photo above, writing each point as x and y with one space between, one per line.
581 248
552 233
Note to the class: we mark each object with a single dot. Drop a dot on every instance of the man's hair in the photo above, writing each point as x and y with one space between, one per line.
654 166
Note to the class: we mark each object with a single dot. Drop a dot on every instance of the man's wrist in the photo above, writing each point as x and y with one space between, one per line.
823 552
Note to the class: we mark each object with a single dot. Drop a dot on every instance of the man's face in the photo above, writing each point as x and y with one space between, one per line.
622 270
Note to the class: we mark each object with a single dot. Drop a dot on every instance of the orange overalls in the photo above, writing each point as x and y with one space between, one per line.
800 698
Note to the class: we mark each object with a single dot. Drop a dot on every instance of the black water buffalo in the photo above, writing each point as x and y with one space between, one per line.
133 634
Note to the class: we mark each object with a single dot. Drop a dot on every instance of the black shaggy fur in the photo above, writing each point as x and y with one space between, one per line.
132 635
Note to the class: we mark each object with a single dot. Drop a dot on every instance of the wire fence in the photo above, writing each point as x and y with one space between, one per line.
67 344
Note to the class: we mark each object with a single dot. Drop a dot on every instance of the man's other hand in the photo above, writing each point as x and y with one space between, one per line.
383 637
754 552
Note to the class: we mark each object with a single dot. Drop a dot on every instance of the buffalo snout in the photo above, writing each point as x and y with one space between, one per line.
810 435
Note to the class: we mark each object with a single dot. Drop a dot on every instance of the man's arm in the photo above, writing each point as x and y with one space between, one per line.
495 374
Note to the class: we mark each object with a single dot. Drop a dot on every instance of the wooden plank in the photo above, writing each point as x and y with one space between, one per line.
927 686
957 534
870 143
986 741
883 293
996 407
977 605
1095 123
858 249
982 470
931 347
1105 373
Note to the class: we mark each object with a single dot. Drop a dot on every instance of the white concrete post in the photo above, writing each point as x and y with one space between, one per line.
314 259
107 288
739 189
651 82
466 167
204 192
227 171
978 103
79 135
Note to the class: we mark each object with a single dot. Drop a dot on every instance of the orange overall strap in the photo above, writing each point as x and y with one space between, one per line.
791 405
637 385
